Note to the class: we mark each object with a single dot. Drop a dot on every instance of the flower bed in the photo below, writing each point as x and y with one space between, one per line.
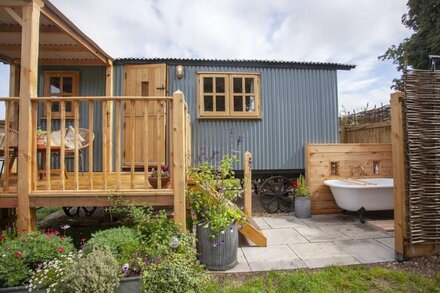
149 250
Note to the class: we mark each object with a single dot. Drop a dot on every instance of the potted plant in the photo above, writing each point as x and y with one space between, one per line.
164 177
41 137
211 194
302 199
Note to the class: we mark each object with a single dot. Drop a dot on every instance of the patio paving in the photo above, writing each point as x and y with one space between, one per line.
320 241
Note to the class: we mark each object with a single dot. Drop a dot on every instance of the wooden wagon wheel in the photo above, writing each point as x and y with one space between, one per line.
274 194
74 211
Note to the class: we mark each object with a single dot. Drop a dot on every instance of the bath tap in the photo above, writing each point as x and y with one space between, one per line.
359 167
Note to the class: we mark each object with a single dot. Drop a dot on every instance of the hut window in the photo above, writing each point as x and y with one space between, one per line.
61 84
228 95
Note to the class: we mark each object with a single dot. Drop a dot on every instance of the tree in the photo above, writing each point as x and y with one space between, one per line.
423 18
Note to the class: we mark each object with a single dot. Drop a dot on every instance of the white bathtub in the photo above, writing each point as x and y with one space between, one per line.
376 195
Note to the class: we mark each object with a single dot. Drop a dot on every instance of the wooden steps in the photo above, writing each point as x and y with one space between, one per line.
252 232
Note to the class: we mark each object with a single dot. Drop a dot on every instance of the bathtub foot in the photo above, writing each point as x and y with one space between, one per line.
361 213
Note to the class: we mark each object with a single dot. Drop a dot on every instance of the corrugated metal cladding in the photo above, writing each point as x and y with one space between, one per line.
299 106
91 83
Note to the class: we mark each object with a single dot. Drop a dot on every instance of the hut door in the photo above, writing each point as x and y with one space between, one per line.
145 80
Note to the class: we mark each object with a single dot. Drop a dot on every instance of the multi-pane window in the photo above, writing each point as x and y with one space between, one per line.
61 84
229 95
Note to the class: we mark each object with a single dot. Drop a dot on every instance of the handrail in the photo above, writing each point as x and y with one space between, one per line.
4 99
103 98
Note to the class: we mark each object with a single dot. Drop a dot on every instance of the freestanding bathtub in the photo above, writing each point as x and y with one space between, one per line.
353 195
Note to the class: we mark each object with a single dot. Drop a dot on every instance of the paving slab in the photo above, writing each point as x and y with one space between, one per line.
272 258
261 223
283 236
283 222
360 231
242 265
318 255
329 220
315 234
367 250
387 241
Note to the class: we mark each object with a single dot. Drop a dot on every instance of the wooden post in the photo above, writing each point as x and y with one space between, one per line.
28 89
178 148
397 138
247 184
109 113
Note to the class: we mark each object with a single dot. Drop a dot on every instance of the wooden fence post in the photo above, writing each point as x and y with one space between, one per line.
28 89
397 139
247 162
178 148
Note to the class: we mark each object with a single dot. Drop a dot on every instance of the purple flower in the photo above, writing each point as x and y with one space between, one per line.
126 268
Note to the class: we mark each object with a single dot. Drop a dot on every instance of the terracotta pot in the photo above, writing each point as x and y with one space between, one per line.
165 182
41 140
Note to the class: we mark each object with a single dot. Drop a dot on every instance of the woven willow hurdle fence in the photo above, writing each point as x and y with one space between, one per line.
422 118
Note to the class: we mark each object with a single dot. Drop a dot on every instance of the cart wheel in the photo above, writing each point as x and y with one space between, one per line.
74 211
274 194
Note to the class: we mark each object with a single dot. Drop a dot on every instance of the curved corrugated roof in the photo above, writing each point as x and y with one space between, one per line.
236 62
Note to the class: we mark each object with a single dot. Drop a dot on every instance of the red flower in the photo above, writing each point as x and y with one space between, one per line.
295 184
83 239
3 237
62 237
61 249
18 255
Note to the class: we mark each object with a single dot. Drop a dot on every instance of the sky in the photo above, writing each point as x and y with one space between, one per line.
342 31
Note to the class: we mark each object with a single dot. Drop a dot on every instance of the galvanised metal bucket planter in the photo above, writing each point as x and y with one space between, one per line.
129 285
126 285
17 289
218 253
303 207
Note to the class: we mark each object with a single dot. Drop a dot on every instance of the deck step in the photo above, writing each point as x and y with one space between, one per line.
252 232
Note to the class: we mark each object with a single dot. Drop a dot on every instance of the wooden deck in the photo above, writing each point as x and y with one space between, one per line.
86 196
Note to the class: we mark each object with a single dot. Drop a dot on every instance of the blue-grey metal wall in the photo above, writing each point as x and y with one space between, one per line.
91 83
298 106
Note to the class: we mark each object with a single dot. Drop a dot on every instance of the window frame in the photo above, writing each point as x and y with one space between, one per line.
75 89
229 112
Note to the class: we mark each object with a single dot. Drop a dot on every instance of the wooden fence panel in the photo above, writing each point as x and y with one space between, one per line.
348 159
379 132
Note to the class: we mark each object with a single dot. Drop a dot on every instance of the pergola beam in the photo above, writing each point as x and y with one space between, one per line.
44 48
12 13
15 28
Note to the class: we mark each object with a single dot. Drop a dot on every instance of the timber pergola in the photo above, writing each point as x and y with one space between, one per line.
33 33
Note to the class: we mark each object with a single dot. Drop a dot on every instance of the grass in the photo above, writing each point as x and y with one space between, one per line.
331 279
44 212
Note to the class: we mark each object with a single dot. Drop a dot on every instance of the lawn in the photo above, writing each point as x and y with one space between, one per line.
44 212
331 279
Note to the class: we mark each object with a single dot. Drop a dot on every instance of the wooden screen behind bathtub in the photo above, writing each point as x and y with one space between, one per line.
333 161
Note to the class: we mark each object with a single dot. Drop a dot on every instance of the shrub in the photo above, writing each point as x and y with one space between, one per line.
95 272
123 242
174 273
26 252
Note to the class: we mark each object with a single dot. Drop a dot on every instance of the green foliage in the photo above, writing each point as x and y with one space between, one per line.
422 18
156 232
210 210
27 251
123 242
44 212
96 272
301 190
174 273
332 279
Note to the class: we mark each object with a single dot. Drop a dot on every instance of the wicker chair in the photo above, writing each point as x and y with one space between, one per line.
84 143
